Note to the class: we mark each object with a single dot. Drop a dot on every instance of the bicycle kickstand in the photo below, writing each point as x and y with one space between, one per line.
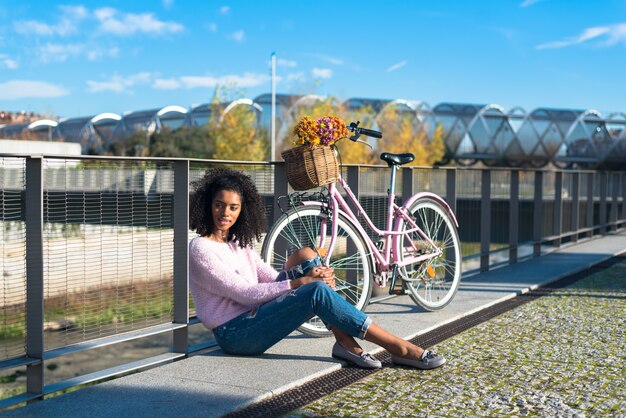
392 282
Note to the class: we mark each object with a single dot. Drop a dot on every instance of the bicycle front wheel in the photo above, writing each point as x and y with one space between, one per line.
311 227
432 283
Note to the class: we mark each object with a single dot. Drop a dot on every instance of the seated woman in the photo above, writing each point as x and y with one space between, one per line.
249 305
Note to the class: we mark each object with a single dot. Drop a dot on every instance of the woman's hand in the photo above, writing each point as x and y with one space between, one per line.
325 274
319 273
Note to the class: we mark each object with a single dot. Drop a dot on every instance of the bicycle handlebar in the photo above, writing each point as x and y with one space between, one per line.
354 127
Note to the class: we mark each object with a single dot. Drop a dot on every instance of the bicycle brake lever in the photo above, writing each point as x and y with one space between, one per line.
363 142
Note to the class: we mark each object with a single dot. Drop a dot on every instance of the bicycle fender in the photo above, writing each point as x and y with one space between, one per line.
431 196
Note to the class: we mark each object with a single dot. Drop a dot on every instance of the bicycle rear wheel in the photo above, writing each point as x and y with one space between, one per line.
433 283
304 227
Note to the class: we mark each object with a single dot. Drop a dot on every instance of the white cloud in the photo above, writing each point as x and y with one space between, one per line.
298 77
286 63
117 23
528 3
8 62
322 73
166 84
224 10
607 35
396 66
328 59
212 27
239 36
55 52
97 53
52 52
245 80
26 89
110 21
119 84
75 12
168 3
64 27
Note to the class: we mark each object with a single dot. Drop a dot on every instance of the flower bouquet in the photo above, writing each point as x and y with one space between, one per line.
313 162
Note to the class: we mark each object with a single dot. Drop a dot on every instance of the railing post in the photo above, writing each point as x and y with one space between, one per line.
181 255
623 217
354 182
280 185
281 188
407 182
603 196
538 214
514 217
451 188
485 219
590 203
557 227
35 273
575 205
614 201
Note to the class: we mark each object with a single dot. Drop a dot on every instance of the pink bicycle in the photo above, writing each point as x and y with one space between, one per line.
420 243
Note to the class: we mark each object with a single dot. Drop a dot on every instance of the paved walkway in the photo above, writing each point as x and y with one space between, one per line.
212 383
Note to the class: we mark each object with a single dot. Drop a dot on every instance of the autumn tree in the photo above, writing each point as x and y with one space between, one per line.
404 132
355 153
185 142
236 135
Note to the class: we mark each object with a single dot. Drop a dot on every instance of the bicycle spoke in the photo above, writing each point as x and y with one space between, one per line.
433 282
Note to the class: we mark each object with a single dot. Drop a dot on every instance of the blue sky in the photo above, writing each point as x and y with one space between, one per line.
83 58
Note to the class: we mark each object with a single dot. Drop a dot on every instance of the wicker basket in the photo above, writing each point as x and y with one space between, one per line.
309 167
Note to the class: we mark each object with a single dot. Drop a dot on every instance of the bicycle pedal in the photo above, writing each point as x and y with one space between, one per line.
398 292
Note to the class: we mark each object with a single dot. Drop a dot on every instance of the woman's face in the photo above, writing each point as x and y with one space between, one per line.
225 208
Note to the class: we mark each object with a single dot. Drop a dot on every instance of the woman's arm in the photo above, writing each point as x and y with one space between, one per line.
264 272
221 279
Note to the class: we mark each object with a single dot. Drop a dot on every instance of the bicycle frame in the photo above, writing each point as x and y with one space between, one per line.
391 234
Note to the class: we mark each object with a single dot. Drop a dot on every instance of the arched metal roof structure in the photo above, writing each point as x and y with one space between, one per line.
258 110
456 119
37 130
199 115
90 132
14 131
359 103
149 121
616 126
472 132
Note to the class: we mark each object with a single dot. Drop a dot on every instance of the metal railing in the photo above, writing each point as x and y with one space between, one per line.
95 248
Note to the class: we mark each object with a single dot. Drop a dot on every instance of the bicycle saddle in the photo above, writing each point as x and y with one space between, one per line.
397 159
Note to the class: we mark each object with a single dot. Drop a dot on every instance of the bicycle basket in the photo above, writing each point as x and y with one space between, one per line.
308 167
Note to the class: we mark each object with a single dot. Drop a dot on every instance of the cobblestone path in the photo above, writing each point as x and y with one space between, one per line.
560 355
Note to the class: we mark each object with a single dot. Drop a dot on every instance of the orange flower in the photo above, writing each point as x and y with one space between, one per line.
323 131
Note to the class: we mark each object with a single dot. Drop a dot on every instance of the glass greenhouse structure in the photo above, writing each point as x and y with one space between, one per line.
473 133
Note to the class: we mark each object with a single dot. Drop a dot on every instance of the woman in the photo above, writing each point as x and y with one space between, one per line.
250 306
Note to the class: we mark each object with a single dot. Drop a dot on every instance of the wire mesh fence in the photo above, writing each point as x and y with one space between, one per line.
13 261
108 252
108 232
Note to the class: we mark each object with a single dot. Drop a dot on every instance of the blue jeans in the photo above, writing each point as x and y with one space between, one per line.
254 332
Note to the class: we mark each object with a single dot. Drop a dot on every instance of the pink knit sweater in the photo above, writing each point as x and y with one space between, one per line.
226 281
